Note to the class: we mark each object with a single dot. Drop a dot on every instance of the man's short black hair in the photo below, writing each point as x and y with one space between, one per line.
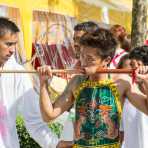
101 39
88 26
7 25
140 53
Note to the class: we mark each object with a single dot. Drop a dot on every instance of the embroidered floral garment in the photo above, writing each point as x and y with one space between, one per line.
98 111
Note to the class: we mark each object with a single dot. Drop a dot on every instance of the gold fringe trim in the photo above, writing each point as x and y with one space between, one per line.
117 145
53 93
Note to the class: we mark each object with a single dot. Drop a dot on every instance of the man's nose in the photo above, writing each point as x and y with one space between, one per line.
83 63
135 65
12 49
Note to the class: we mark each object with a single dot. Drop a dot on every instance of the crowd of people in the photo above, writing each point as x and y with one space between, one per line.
110 110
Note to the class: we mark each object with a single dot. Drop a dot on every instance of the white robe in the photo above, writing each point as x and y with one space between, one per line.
16 90
119 53
135 127
144 122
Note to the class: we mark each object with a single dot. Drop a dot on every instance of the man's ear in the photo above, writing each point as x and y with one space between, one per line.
106 61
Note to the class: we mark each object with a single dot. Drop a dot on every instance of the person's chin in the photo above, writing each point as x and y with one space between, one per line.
6 59
89 71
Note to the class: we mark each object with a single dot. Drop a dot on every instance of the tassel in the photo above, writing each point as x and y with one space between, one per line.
133 76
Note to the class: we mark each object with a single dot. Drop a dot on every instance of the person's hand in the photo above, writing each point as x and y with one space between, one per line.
142 73
65 144
45 73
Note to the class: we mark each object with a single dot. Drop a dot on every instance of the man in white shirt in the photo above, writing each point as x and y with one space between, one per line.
119 53
120 33
134 122
16 90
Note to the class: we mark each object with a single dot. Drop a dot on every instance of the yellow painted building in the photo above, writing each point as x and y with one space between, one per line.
118 12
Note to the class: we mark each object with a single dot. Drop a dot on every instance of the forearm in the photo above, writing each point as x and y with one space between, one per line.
145 83
46 106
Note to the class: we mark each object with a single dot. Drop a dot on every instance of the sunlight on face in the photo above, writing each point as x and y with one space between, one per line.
127 63
136 63
7 46
90 60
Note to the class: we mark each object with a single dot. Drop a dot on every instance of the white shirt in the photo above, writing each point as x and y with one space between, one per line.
135 127
118 54
16 90
144 120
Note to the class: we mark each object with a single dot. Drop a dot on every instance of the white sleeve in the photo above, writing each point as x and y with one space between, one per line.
36 127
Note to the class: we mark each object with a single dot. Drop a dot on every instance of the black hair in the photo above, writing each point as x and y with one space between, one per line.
140 53
7 25
101 39
89 26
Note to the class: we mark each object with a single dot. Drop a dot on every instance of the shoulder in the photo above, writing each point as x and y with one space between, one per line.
76 81
122 80
123 77
12 64
120 51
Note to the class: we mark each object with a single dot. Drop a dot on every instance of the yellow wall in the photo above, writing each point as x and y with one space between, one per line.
25 7
122 18
75 8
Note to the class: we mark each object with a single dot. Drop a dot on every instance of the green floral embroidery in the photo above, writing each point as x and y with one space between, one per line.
98 113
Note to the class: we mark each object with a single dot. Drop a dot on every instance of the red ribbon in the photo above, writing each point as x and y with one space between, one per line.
133 76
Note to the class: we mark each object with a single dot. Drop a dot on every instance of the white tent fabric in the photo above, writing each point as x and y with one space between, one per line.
111 4
120 5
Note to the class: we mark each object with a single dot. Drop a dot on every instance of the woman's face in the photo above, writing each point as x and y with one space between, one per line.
127 64
136 63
